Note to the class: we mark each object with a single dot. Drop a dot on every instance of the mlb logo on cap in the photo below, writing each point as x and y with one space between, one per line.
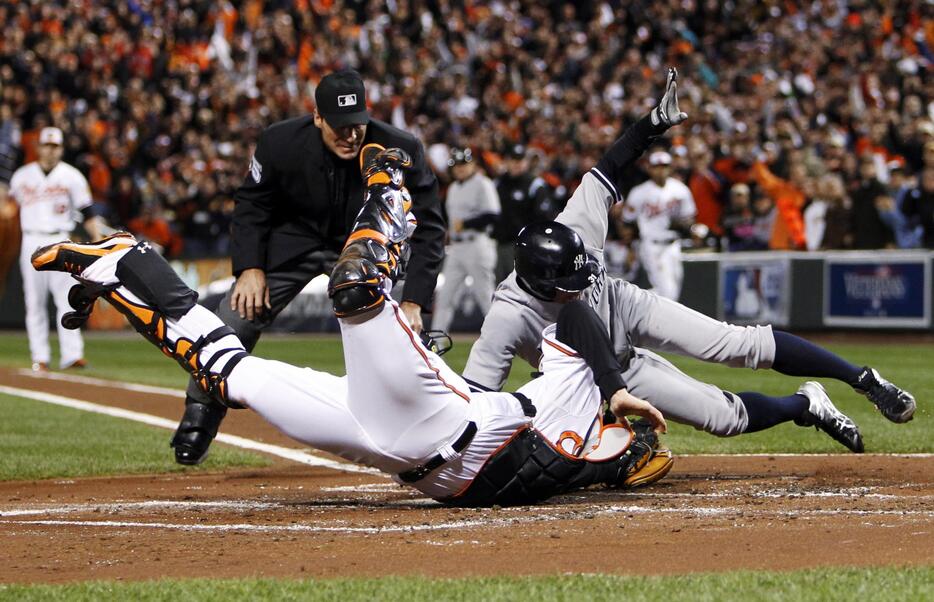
51 136
341 99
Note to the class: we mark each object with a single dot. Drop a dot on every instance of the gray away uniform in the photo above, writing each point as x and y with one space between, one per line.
472 252
636 319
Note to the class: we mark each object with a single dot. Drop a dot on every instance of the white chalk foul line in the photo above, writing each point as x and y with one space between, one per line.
806 455
296 455
263 528
103 382
710 512
115 507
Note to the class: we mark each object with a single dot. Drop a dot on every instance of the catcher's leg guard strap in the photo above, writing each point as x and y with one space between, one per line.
148 276
152 324
215 383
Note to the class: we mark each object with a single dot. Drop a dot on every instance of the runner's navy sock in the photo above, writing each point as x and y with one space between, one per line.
765 411
795 356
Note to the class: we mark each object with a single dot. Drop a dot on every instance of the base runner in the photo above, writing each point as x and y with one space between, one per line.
399 408
564 260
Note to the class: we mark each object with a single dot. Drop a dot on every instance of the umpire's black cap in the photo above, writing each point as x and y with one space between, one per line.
341 99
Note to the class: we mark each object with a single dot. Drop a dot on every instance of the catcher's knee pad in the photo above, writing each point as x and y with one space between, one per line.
384 221
384 165
148 276
356 286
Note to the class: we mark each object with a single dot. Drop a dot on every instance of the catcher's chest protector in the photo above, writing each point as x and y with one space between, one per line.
528 470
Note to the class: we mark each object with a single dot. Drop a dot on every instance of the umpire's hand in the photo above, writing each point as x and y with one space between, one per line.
250 296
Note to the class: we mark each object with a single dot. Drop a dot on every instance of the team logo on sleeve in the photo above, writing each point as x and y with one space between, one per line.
256 169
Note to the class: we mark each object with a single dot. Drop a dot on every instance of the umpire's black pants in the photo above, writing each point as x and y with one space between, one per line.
284 283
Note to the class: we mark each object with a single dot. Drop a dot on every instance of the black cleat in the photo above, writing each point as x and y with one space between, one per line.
895 404
192 439
826 417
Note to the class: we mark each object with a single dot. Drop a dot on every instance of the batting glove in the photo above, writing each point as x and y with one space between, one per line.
667 112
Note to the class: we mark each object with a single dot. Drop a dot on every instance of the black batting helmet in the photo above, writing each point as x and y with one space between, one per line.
550 257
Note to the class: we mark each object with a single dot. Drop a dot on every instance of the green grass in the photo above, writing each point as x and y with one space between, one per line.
126 357
843 584
42 441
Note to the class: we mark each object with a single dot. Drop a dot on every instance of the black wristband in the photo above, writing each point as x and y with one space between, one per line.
628 148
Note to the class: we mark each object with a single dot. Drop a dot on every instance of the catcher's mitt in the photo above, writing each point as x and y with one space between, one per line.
651 464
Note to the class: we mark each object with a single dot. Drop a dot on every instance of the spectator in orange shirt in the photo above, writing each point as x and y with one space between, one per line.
152 226
789 197
706 187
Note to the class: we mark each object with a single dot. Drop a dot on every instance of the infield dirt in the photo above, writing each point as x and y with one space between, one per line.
710 514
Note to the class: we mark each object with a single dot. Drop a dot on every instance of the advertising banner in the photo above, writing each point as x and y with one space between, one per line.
755 290
877 291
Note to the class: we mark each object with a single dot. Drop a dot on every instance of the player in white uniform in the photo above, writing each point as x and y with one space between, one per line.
52 196
399 408
662 208
473 206
639 320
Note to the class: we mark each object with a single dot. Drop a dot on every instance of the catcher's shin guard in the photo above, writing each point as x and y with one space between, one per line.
162 295
377 247
148 276
151 323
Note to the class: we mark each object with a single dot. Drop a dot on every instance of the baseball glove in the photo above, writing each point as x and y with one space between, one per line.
667 112
651 464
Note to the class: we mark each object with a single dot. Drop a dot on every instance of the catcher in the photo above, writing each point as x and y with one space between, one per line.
399 408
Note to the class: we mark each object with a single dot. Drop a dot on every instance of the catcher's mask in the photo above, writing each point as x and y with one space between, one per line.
437 341
550 257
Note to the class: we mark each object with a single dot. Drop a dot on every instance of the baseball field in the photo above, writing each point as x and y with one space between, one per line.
92 505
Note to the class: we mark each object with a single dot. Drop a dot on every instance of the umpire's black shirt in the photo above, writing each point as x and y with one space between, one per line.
298 197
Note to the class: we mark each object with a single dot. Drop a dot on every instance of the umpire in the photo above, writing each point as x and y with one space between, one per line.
293 213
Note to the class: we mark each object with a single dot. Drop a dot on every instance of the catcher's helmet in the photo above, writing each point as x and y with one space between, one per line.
550 257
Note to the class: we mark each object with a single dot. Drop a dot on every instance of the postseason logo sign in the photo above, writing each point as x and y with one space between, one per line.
893 293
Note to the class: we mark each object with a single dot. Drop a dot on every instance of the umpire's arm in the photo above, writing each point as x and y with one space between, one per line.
428 239
253 208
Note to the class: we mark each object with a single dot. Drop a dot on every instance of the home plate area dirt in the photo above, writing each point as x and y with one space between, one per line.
710 514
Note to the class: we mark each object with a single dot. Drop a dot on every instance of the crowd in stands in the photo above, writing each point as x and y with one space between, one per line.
810 121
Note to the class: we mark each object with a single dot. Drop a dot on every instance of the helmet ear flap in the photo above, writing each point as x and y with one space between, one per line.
539 290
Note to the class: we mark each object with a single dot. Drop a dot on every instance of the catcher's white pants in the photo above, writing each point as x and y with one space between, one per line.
475 258
662 263
399 403
36 289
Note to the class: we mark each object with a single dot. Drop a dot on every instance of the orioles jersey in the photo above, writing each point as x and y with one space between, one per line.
49 202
